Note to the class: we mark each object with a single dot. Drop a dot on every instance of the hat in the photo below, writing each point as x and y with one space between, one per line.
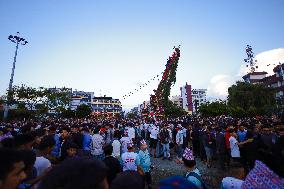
176 182
262 177
188 154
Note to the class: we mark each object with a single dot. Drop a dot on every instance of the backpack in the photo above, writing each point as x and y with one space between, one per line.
204 185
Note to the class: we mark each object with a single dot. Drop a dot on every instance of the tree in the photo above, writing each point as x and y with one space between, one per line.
237 112
83 110
173 110
68 113
131 115
26 95
252 98
215 108
40 100
57 100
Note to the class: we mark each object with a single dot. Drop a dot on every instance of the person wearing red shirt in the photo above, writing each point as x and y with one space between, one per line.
228 152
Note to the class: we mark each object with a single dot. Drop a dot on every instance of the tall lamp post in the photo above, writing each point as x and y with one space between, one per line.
19 41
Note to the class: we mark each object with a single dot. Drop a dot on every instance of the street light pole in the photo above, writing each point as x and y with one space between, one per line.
18 40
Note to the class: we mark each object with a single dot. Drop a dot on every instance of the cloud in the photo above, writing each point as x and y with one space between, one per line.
271 58
218 86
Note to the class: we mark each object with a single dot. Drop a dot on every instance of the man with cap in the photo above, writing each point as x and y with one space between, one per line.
193 175
145 162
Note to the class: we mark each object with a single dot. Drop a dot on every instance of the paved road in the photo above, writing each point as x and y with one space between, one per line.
166 168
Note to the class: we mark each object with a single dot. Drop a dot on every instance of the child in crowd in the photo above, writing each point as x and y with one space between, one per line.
145 163
193 175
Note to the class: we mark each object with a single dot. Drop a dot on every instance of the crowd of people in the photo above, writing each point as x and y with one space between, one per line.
116 153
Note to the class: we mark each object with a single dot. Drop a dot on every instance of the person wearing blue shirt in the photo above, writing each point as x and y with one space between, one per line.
145 163
192 175
242 133
56 150
87 141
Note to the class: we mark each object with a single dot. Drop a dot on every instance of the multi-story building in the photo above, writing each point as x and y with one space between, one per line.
177 100
192 98
81 97
254 77
186 98
198 98
63 89
106 105
275 81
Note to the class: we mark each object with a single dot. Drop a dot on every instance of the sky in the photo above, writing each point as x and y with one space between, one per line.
111 47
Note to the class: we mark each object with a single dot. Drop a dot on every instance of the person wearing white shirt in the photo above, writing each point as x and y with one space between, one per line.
131 133
234 146
179 142
130 160
42 164
154 140
124 142
235 151
116 148
97 145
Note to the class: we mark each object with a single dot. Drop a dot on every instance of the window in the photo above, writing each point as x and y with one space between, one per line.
274 85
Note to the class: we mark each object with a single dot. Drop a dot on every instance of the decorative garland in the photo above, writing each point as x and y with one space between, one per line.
159 102
142 86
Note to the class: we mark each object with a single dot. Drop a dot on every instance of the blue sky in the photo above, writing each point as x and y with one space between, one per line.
110 47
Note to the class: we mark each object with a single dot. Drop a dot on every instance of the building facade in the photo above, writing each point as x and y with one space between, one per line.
275 81
81 97
106 106
177 100
254 77
192 98
186 97
198 98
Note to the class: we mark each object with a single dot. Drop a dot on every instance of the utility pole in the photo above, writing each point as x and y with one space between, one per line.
19 41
